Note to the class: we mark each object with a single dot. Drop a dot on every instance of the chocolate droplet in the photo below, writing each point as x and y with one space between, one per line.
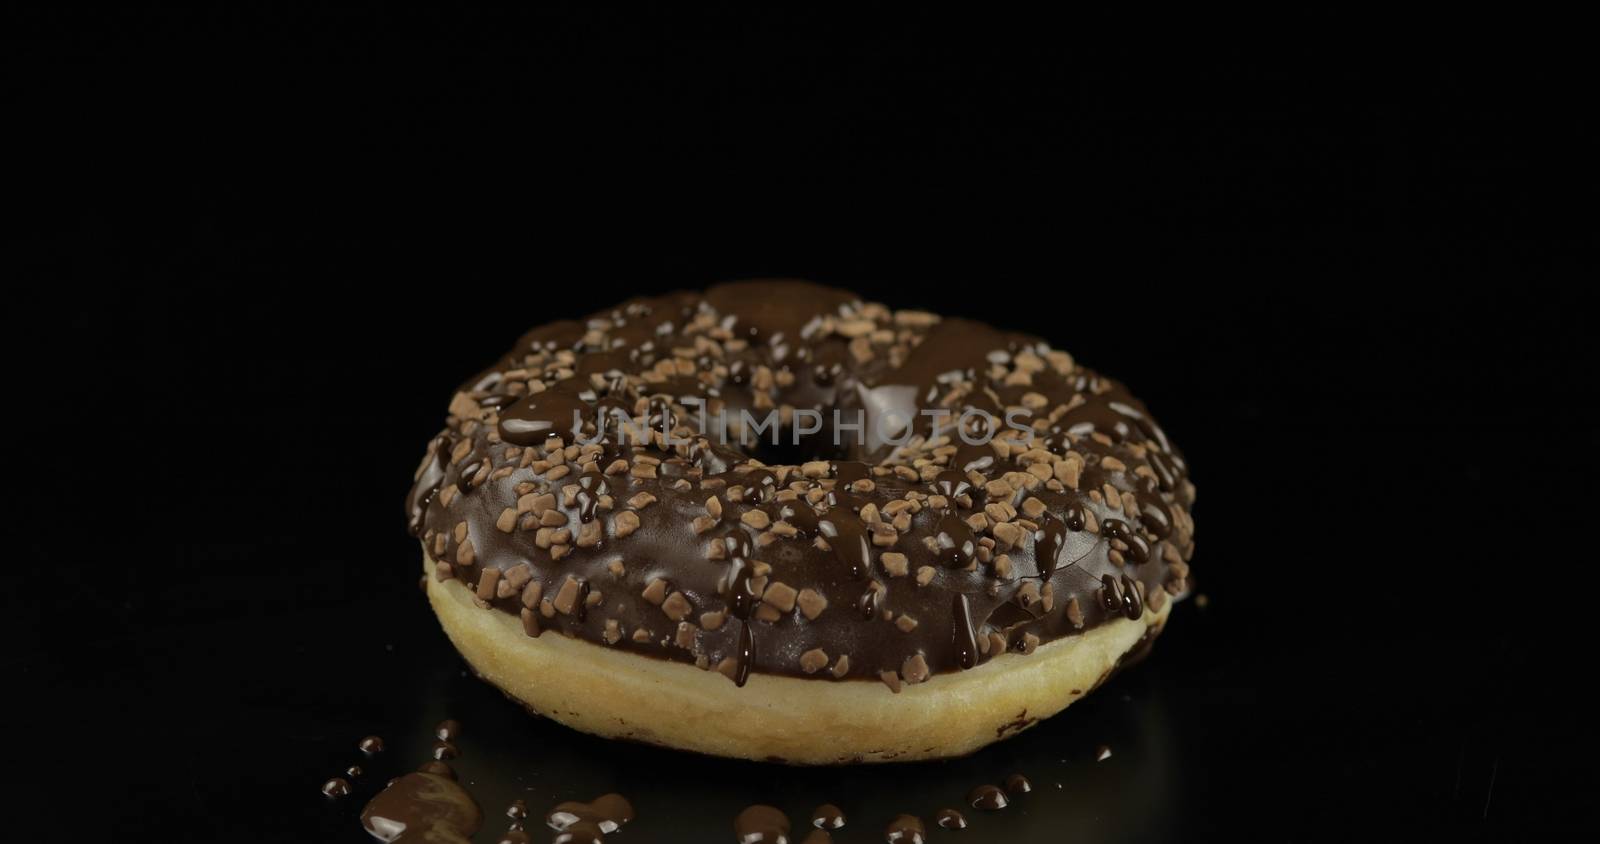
906 829
604 814
988 798
966 638
1132 607
761 824
827 816
437 768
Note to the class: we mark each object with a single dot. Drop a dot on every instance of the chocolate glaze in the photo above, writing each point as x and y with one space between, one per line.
908 561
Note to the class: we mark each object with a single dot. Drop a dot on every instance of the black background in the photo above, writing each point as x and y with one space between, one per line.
268 248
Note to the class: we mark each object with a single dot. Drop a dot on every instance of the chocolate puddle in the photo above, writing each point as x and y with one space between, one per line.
422 807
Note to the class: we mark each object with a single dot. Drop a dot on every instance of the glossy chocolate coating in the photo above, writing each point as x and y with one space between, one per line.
835 560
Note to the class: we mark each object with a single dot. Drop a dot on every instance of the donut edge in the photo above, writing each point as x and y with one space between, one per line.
617 694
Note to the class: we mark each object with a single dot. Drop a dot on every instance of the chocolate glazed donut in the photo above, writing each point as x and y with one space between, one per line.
775 521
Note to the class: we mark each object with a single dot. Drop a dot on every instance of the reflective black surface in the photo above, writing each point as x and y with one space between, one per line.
1338 676
272 248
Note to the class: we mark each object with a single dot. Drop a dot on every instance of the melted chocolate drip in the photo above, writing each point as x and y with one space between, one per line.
1052 538
849 543
965 637
1132 606
429 477
744 655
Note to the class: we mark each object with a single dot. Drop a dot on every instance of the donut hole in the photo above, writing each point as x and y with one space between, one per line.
784 446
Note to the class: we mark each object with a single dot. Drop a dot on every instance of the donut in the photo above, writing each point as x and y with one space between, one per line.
774 521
